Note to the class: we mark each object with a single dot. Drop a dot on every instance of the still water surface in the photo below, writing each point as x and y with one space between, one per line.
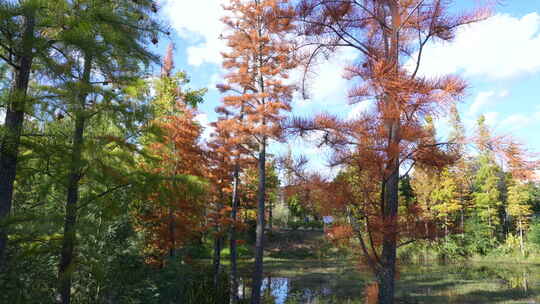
308 282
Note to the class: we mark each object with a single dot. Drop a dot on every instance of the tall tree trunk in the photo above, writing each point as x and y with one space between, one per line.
387 272
521 245
462 221
244 282
489 223
259 243
234 211
218 244
268 290
270 215
172 240
66 268
172 223
9 146
218 241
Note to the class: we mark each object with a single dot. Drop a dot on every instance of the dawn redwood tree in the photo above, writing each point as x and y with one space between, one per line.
258 61
226 148
390 36
220 163
175 212
229 154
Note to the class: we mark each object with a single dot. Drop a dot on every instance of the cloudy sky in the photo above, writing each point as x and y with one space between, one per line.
500 57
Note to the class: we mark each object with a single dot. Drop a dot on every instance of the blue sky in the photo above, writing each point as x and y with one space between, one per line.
500 57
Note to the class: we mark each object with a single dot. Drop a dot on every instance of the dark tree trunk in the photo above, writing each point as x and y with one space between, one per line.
386 275
218 243
259 243
234 211
66 268
9 147
172 239
270 215
387 272
66 259
462 220
268 290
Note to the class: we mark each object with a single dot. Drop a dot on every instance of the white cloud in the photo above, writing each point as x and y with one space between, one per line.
481 100
515 121
329 85
357 109
202 119
484 98
199 22
325 84
471 122
503 93
215 79
511 123
521 120
491 118
499 47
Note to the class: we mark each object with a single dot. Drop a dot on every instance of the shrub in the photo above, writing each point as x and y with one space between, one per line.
314 225
478 238
296 253
534 232
454 247
242 251
197 251
509 247
294 225
174 283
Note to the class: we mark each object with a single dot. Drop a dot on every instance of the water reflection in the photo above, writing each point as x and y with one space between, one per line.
467 283
276 288
284 290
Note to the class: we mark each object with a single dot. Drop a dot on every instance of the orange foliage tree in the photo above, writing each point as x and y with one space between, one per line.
258 60
221 163
229 151
390 37
173 213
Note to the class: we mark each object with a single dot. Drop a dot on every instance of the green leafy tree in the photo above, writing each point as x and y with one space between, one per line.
534 232
487 195
519 208
97 52
30 29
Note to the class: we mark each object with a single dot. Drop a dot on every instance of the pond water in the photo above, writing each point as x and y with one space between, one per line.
312 282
